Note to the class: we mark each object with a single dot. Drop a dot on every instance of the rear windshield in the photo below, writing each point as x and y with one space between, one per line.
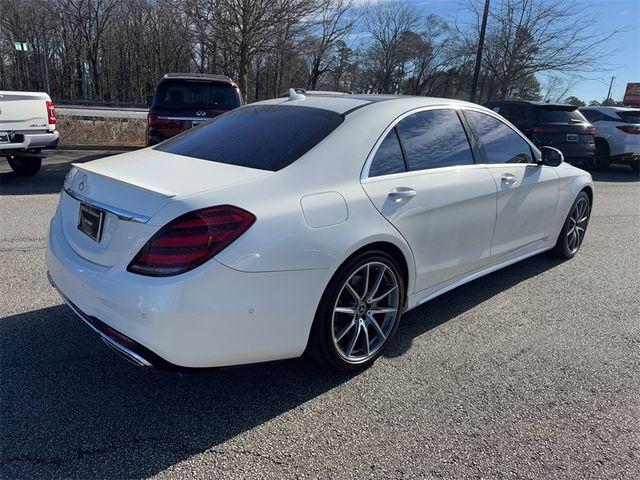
267 137
559 115
630 116
196 94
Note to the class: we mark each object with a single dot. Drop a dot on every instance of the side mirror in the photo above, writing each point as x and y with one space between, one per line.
552 157
150 100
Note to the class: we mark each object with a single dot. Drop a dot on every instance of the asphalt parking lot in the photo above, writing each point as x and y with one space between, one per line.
531 372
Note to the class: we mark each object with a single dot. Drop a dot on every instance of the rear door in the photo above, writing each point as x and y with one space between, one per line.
527 192
423 179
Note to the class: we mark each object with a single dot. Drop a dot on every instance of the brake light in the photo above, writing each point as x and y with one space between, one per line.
51 113
157 121
545 130
629 129
190 240
591 130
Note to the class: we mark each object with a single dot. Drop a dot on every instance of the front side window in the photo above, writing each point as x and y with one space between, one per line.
433 139
267 137
501 144
388 158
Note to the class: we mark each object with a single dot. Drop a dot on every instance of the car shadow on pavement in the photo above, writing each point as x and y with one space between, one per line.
72 409
616 173
459 300
48 180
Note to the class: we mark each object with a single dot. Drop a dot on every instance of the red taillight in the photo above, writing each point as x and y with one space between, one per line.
51 113
591 130
157 121
629 129
545 130
190 240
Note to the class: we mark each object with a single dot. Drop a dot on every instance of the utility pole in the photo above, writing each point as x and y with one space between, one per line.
610 85
476 72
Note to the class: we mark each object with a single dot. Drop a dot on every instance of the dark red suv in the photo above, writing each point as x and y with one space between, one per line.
183 100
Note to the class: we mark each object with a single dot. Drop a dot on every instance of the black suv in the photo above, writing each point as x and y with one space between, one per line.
552 125
184 100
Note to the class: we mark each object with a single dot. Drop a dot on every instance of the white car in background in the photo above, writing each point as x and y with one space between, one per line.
27 126
617 135
303 223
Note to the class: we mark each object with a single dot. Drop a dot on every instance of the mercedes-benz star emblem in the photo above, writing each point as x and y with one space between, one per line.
83 183
201 113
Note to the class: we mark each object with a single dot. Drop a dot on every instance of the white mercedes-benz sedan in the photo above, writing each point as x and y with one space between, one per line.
303 224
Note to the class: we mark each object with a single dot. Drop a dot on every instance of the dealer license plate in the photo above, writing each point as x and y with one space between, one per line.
90 221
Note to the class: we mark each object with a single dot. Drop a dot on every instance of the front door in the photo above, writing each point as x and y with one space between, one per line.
527 191
423 179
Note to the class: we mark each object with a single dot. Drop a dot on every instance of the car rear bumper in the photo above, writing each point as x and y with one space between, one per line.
210 317
27 140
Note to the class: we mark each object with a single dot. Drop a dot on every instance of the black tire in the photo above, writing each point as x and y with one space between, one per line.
25 166
567 244
601 160
603 155
323 345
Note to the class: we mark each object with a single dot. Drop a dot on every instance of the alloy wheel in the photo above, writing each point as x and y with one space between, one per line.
578 220
365 312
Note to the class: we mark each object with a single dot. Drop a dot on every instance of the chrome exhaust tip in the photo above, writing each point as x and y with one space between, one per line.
124 352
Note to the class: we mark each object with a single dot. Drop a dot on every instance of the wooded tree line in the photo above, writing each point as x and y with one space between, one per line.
116 50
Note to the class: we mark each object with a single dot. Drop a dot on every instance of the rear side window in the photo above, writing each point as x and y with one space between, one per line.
591 115
389 158
630 116
558 115
501 144
514 113
433 139
196 94
267 137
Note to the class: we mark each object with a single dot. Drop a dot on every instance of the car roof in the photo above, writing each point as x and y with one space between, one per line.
346 103
610 108
532 102
197 76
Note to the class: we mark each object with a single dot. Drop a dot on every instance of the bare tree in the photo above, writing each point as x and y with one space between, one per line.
528 37
335 21
388 23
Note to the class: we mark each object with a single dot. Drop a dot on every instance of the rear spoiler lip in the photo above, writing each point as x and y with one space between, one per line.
139 185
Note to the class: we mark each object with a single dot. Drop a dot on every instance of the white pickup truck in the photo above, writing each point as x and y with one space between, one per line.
27 126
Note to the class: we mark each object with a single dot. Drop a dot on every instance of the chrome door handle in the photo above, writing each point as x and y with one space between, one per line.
401 193
508 179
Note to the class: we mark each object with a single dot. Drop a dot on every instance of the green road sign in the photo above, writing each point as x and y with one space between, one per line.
21 46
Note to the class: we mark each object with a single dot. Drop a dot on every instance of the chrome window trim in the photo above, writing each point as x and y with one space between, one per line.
500 118
119 212
364 175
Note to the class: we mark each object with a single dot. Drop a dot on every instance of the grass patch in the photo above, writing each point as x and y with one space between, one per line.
107 131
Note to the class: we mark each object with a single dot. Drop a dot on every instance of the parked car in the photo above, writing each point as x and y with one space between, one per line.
617 135
553 125
184 100
27 127
340 214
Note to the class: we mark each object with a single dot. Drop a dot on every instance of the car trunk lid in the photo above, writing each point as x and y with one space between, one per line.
123 192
